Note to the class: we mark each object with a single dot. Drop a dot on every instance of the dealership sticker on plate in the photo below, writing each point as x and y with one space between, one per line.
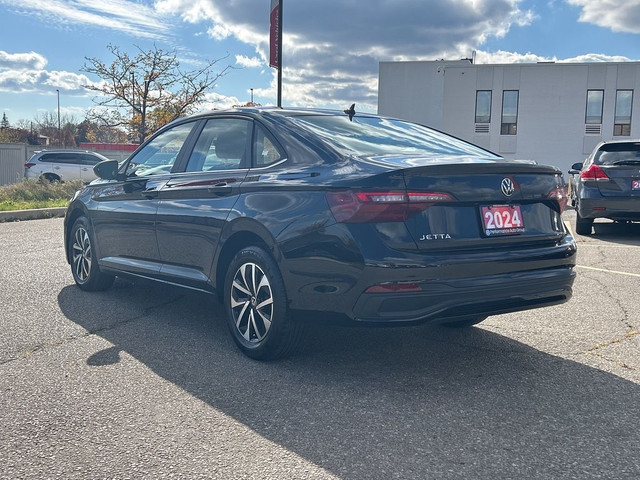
635 184
502 220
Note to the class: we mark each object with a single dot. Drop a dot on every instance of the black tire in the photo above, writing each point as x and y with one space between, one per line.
84 267
583 225
50 177
256 303
469 322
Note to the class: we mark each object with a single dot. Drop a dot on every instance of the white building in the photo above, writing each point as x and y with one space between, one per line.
554 113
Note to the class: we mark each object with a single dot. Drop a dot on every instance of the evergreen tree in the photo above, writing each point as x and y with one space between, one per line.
5 121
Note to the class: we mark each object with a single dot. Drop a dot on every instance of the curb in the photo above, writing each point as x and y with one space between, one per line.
37 213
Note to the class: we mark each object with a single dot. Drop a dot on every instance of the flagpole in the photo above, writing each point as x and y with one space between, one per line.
280 54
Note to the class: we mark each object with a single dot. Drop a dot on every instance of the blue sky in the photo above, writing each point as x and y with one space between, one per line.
331 47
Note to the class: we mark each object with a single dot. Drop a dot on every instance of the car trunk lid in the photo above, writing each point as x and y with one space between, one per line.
467 203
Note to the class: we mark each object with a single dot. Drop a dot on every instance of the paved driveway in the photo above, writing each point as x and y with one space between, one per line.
143 381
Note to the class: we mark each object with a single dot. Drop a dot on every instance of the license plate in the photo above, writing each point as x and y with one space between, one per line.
502 220
635 184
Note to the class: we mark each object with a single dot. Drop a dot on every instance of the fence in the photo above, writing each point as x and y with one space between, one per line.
12 159
13 156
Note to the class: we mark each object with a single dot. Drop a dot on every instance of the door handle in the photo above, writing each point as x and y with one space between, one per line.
221 189
150 194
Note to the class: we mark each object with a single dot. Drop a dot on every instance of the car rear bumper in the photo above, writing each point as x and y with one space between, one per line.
614 208
445 286
468 297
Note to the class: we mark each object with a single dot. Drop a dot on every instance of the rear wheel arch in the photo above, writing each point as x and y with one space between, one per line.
231 246
51 177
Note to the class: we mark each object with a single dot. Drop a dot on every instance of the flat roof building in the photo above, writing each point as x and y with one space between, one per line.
553 113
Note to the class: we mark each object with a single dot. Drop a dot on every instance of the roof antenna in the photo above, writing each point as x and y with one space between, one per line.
351 112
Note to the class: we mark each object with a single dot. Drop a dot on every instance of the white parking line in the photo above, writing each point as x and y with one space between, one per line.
607 246
610 271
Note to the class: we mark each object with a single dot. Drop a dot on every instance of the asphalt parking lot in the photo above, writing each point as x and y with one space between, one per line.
143 381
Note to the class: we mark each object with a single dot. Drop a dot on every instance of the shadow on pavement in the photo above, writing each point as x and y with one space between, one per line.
621 233
383 403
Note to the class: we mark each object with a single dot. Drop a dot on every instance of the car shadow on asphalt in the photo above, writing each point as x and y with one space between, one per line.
621 233
413 402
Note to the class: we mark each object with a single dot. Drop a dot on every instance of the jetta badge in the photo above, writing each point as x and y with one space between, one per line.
507 186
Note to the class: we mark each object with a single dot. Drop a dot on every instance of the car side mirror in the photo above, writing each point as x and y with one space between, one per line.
575 168
107 169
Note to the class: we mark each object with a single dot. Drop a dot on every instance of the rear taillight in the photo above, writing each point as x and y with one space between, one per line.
560 196
29 165
594 172
374 207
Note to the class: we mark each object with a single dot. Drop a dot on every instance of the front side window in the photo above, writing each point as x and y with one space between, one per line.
483 106
509 125
159 155
222 145
595 100
90 159
622 120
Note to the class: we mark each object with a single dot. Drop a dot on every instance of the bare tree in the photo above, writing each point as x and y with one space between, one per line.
144 92
46 123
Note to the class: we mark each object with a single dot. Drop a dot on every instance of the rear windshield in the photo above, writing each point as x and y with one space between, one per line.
373 136
613 153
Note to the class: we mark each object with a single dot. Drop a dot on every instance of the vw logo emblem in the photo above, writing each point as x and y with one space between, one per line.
507 186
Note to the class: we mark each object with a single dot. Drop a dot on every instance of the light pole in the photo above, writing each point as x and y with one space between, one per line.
59 131
252 97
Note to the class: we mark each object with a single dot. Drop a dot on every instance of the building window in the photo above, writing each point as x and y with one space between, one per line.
509 124
483 106
622 120
595 100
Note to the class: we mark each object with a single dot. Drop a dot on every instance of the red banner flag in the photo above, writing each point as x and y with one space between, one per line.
274 30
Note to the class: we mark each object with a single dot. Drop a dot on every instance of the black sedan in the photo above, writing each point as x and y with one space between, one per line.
295 215
607 185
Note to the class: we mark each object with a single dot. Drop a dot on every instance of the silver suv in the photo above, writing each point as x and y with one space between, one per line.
62 165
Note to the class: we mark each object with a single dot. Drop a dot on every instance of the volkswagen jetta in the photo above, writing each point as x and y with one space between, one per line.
292 215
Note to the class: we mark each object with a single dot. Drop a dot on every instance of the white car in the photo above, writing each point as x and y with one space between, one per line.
62 165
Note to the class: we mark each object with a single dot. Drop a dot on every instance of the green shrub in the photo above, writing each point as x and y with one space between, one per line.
36 194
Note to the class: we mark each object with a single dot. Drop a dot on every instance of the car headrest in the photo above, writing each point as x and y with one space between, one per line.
230 145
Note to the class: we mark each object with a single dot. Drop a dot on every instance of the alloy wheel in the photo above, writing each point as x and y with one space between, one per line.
81 255
251 302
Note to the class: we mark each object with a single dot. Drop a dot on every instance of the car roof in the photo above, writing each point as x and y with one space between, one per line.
68 150
289 111
613 142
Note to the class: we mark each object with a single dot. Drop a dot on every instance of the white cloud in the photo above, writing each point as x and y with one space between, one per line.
502 57
217 101
332 48
24 73
131 17
618 15
20 61
247 62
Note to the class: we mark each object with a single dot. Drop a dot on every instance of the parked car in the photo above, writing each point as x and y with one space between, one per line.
607 185
292 215
63 165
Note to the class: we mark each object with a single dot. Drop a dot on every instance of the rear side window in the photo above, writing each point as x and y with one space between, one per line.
265 150
69 158
48 157
222 145
60 158
611 154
